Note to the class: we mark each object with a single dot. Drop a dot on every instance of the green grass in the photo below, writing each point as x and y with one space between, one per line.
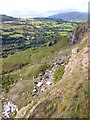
7 33
83 44
32 56
30 72
35 60
16 36
80 105
31 62
7 81
50 107
27 73
59 73
63 34
42 31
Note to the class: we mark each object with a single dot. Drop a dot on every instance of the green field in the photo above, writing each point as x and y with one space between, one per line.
22 34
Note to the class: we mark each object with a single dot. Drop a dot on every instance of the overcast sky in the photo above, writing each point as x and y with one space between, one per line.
38 8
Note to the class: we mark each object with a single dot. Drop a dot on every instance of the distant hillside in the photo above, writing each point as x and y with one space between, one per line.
6 18
71 16
45 19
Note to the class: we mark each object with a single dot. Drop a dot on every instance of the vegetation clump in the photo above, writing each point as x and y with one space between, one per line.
59 73
7 81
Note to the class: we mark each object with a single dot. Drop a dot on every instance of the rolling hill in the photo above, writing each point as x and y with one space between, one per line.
71 16
7 18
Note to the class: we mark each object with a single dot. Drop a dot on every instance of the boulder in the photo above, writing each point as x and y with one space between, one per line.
39 84
41 74
46 76
34 94
40 78
49 44
35 90
35 82
75 51
48 83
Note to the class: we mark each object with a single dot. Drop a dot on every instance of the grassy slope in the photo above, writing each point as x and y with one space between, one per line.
35 61
32 56
64 99
69 98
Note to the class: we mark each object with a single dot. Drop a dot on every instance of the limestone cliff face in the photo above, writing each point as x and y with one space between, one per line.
79 33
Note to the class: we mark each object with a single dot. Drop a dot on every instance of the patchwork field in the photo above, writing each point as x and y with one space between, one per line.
27 33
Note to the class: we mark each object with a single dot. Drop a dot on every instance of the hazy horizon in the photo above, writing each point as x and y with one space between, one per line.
40 8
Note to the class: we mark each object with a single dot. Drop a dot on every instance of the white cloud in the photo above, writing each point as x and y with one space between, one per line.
40 7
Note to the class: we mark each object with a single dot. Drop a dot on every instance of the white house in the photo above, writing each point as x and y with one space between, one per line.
28 37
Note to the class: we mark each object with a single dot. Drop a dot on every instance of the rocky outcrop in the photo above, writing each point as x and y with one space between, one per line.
75 51
78 34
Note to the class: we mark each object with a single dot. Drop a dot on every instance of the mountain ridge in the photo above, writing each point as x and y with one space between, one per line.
71 16
4 17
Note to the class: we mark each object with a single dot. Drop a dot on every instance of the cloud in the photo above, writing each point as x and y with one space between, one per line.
29 8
